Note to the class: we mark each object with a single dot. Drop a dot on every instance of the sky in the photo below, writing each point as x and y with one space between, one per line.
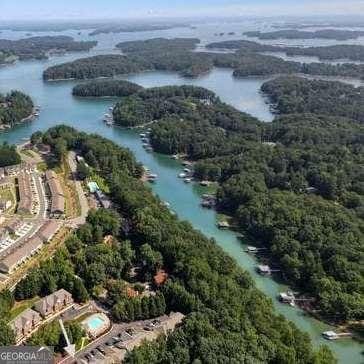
113 9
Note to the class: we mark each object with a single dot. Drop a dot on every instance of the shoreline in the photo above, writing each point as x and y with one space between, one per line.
308 309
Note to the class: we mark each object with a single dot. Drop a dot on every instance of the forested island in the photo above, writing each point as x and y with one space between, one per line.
133 28
179 55
227 318
336 34
352 52
15 107
106 88
294 186
41 47
291 95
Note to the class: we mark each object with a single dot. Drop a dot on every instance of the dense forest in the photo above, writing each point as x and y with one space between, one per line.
133 28
354 52
39 47
8 155
291 95
94 67
100 88
228 319
336 34
14 107
178 55
158 45
289 196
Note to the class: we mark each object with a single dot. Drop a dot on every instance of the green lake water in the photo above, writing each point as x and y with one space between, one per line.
58 106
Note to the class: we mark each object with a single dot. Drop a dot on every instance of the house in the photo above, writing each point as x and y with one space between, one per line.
160 277
57 197
25 323
5 183
54 303
48 230
20 254
25 193
4 205
14 225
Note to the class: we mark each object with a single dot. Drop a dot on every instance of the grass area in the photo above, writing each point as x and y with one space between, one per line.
22 306
27 152
73 207
8 194
42 166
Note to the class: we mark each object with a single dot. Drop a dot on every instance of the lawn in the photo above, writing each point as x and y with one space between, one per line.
21 306
8 194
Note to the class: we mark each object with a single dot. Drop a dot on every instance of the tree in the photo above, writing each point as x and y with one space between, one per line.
7 336
83 171
79 291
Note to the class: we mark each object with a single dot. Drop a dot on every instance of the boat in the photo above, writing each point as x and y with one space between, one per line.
251 249
107 115
142 135
330 335
188 180
182 175
223 225
187 170
204 183
153 175
287 297
109 123
166 204
111 108
264 270
149 149
174 156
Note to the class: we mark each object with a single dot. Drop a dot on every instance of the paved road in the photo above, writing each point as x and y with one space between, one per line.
80 220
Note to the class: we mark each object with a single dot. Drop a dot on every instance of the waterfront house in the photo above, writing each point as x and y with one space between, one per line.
25 323
54 303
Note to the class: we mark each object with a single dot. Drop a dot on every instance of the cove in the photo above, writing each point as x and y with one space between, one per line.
58 106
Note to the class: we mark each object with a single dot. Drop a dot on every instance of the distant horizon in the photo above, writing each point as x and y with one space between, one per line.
114 10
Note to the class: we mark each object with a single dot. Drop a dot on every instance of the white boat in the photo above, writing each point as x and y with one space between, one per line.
188 180
107 115
174 156
111 108
153 175
330 335
142 135
187 170
182 175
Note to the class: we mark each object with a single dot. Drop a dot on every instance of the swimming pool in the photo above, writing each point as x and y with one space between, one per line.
96 324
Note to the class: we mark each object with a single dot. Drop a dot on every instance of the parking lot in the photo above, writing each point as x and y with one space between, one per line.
113 346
